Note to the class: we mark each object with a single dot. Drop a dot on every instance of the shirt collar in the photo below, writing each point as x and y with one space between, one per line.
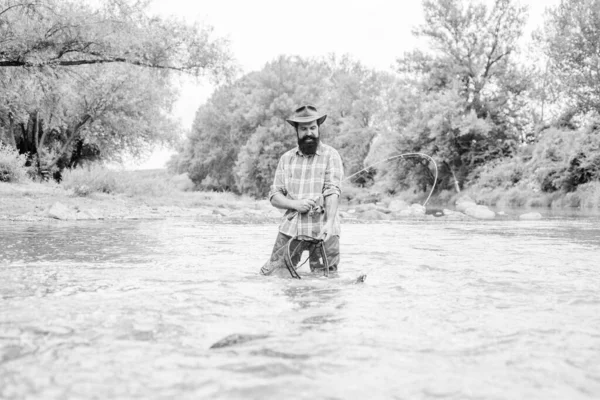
318 152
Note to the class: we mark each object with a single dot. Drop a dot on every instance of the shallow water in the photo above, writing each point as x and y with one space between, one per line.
450 310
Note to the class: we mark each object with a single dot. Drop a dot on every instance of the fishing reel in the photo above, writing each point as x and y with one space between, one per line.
314 210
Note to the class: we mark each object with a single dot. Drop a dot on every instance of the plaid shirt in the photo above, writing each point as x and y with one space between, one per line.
308 177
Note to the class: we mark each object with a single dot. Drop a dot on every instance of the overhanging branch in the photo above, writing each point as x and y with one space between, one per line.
70 63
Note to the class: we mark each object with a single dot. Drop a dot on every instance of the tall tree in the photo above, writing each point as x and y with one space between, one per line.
239 135
570 39
357 105
470 88
219 153
79 81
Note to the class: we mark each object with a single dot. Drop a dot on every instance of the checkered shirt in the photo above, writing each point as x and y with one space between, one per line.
299 176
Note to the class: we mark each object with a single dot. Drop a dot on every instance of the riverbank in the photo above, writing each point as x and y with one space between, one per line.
31 201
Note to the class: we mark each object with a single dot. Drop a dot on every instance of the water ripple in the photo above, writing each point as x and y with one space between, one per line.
494 310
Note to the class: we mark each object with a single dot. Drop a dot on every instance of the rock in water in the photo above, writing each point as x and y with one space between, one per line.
235 339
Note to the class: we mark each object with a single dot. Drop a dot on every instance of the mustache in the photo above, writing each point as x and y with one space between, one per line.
308 138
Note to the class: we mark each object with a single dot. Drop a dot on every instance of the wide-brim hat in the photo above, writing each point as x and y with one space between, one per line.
306 113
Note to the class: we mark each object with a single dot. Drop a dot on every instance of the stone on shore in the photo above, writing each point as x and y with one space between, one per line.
375 215
88 214
480 212
417 209
463 203
454 215
60 211
398 205
532 216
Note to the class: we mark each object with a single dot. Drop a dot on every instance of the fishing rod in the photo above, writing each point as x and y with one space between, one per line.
319 243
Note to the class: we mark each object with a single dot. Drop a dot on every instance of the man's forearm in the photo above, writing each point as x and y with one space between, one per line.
331 207
280 201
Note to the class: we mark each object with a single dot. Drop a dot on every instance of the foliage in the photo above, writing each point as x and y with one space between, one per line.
12 165
64 33
562 160
83 82
99 179
357 100
94 179
470 100
499 174
468 109
570 40
239 135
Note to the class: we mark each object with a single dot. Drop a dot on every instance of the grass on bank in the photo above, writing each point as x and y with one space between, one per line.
153 187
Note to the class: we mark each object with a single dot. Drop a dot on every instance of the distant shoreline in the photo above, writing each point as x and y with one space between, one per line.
37 202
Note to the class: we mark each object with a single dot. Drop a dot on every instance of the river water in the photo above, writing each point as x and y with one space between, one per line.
450 310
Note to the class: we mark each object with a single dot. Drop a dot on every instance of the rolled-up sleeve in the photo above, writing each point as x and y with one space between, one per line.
334 174
278 185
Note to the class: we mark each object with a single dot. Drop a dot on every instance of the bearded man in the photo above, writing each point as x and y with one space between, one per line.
307 185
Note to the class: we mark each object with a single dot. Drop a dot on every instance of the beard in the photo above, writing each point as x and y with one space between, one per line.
308 145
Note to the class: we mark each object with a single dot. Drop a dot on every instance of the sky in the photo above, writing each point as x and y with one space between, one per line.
376 32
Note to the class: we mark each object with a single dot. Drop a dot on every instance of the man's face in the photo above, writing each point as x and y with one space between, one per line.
308 137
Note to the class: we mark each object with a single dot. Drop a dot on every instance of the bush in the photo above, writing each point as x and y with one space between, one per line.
183 182
151 183
84 181
12 165
504 173
589 195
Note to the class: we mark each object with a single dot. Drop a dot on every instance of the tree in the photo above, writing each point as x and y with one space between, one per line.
356 102
82 83
470 90
570 39
239 135
57 33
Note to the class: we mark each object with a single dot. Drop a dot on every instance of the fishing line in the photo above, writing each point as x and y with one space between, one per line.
404 155
317 243
363 275
361 278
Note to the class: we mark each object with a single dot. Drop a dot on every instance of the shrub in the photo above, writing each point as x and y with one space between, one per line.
84 181
504 173
12 165
589 194
563 160
183 182
97 178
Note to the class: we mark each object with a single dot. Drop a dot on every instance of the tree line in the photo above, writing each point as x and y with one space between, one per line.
491 111
82 83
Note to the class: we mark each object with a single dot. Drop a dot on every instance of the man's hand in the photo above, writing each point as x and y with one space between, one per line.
304 205
325 234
